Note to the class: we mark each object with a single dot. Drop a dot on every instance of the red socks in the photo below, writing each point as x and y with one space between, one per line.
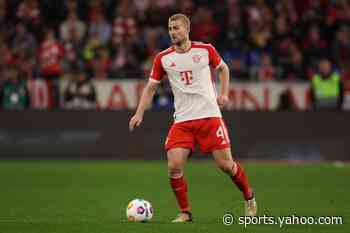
241 181
179 187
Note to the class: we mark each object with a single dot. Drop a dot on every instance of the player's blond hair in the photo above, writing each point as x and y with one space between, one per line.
183 18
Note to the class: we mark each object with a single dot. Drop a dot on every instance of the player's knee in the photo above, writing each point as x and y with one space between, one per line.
175 173
226 169
226 166
174 170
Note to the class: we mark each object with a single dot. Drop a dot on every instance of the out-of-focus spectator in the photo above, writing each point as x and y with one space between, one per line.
72 27
314 46
124 26
338 12
14 94
157 15
267 71
296 34
294 68
326 87
187 7
341 47
72 6
92 45
100 27
125 64
23 41
282 39
29 12
3 7
234 31
140 8
163 99
259 24
287 8
204 27
101 64
95 9
6 57
25 64
238 69
50 56
72 32
73 50
313 12
80 93
24 46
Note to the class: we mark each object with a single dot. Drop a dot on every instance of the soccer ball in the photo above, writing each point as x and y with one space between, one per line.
139 210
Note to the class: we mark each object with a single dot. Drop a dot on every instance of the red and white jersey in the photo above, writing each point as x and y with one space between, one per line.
50 54
190 79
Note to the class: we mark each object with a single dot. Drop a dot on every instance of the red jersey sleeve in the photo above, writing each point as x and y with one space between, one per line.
214 57
157 71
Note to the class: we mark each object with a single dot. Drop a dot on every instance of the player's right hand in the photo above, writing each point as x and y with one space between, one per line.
135 121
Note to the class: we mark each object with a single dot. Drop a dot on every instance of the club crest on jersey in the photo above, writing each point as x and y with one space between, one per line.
196 58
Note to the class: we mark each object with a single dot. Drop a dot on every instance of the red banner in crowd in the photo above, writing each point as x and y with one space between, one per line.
119 94
268 96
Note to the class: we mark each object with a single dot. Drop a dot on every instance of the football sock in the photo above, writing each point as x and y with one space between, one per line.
241 181
179 186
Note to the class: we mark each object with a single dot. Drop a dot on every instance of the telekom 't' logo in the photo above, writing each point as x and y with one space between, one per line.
186 77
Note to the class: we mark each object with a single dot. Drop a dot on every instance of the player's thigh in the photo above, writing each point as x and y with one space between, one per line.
213 135
177 157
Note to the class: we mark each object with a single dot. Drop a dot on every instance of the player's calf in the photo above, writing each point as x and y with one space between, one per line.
241 180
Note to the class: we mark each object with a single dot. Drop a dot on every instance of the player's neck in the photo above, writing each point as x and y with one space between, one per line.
183 47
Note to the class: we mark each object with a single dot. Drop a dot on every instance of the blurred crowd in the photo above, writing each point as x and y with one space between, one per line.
260 40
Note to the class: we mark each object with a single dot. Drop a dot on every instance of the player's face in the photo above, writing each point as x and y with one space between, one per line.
178 31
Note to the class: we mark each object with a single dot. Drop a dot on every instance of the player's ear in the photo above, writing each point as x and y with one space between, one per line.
188 27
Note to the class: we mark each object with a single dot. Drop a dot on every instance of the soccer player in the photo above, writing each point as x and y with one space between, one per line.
197 118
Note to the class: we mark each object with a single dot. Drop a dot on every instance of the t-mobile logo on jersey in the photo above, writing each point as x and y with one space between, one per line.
186 77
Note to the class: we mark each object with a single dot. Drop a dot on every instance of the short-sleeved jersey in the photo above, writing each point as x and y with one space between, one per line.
189 74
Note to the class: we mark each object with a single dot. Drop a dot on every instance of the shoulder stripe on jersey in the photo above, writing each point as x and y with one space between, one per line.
165 52
157 66
202 45
218 64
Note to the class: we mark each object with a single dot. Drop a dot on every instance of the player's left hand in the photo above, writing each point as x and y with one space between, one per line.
222 100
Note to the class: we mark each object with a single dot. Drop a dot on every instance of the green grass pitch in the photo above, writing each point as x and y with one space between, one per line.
91 196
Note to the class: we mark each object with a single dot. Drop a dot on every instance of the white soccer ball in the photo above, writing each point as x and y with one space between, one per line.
139 210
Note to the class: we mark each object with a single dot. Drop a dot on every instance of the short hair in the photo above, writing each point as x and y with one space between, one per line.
182 17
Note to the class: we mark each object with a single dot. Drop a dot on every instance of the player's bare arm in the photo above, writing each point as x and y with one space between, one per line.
224 76
145 102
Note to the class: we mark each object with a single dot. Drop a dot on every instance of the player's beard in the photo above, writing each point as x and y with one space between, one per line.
179 42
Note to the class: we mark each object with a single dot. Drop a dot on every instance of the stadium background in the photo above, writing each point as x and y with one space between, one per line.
71 73
64 57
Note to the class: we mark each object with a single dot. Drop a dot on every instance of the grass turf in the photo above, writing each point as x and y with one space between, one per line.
89 197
